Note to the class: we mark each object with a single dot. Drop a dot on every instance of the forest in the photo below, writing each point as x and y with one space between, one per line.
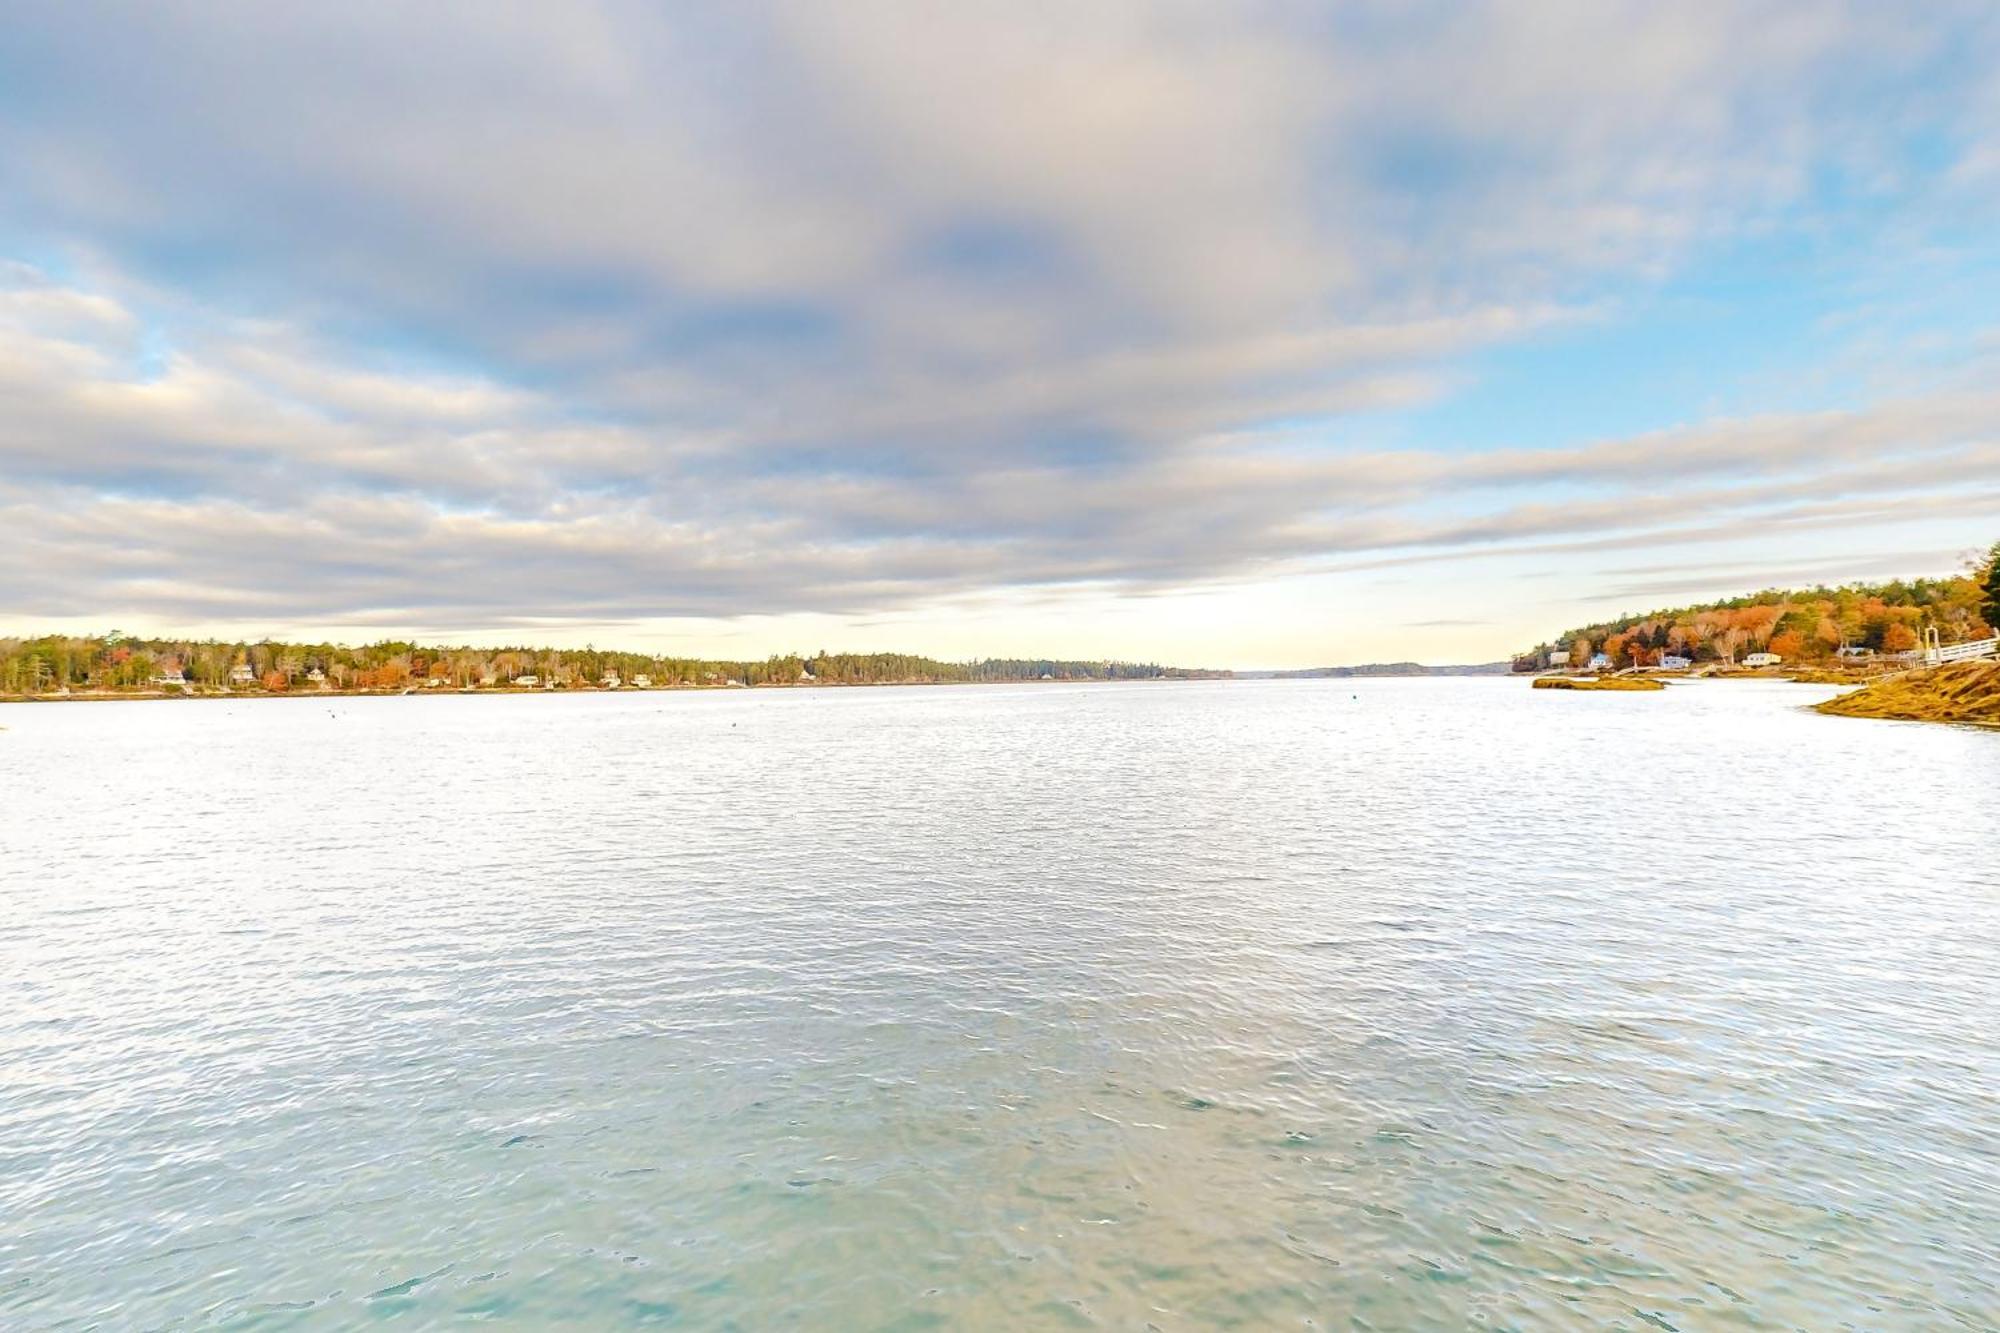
119 663
1800 625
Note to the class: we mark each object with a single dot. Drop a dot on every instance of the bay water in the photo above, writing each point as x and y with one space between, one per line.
1250 1004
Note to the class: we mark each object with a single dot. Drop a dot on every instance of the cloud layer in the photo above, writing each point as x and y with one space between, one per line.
475 316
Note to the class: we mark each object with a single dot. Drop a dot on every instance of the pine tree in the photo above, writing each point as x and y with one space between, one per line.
1989 606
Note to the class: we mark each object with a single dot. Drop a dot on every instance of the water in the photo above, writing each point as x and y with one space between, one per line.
1283 1004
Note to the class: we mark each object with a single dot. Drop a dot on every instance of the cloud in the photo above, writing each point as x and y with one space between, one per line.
472 314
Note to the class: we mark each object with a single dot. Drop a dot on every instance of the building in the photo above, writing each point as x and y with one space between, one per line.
1762 660
527 682
1674 662
611 681
1600 661
241 674
316 676
1854 650
1558 658
642 682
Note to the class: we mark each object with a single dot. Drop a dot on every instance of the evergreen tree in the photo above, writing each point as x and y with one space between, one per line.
1989 606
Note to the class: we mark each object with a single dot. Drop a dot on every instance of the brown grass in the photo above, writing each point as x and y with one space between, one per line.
1838 675
1597 683
1960 692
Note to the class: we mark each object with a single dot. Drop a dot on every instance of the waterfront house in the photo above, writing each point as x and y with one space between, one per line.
527 682
642 682
241 674
1762 660
1674 662
1600 661
611 681
316 676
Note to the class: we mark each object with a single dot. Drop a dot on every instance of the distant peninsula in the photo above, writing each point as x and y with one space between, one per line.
120 665
1383 669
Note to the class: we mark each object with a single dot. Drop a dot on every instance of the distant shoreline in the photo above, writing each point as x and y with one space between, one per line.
625 691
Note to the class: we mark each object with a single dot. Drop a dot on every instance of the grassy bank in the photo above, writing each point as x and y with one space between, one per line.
1966 692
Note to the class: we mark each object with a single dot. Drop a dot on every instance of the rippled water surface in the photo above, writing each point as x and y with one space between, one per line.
1254 1004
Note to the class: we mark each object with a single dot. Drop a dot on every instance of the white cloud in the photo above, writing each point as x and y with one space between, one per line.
607 310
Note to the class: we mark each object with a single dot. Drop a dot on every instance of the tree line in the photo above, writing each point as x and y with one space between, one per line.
121 663
1800 625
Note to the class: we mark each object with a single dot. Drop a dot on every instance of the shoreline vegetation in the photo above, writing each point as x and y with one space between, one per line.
1860 634
1856 626
118 666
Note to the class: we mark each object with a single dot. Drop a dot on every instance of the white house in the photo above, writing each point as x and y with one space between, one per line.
174 682
527 682
316 676
611 681
1762 660
1558 658
241 674
1600 661
642 682
1674 662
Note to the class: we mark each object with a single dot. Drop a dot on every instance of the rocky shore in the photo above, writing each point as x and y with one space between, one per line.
1964 692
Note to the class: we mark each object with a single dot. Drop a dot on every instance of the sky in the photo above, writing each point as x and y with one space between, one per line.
1215 334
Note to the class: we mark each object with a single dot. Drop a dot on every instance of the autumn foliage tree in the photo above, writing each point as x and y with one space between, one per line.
1788 645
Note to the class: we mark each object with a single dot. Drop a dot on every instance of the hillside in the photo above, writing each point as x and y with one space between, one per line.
1801 625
